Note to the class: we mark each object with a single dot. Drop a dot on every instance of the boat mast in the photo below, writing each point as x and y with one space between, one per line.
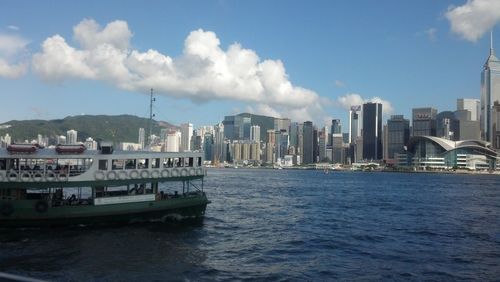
151 115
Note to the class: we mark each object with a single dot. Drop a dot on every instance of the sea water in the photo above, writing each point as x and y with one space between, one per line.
288 225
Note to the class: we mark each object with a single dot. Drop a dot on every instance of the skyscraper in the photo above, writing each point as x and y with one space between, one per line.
372 131
424 122
142 135
308 131
255 133
490 95
186 135
354 126
398 134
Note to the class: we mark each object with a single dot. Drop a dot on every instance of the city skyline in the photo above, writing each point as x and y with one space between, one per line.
346 60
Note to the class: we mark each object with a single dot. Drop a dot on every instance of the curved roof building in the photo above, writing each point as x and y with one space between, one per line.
434 152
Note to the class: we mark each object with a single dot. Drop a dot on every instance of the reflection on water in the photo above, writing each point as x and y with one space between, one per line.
278 225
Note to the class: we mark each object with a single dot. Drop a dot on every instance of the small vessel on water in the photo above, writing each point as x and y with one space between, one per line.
70 185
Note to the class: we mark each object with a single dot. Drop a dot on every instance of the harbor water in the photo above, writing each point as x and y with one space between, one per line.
288 225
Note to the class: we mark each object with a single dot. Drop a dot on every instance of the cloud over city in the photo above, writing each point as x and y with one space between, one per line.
474 18
12 49
203 72
353 99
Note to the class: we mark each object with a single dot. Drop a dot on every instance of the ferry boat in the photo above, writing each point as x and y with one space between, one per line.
70 185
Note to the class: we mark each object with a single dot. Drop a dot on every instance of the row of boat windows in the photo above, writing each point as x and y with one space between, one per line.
120 164
70 166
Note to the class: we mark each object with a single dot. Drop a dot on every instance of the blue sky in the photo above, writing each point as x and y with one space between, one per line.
208 59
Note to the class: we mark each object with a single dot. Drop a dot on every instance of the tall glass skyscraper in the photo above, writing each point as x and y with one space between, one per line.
490 99
372 131
308 144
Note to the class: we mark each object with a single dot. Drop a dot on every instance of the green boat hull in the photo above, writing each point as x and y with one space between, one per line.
35 213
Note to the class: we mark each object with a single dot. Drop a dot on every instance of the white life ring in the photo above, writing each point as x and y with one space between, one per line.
199 171
175 172
155 174
38 177
144 174
134 174
12 176
165 173
192 172
25 176
112 175
122 175
184 172
98 175
63 176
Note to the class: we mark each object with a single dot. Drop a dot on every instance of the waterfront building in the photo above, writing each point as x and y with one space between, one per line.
282 124
354 123
294 134
338 154
430 152
128 146
220 151
91 144
208 146
424 122
61 139
490 97
173 141
471 105
322 143
398 134
142 136
308 144
336 128
6 140
372 131
468 116
71 136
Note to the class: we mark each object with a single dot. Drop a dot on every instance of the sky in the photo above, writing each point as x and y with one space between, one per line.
304 60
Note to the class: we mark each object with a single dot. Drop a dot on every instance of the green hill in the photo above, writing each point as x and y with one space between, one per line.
121 128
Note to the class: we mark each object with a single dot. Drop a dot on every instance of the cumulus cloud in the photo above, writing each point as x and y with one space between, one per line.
204 71
474 18
353 99
11 48
339 83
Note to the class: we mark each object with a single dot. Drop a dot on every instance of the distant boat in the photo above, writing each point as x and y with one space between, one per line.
105 186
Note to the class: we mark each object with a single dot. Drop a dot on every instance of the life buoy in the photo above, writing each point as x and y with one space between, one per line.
192 172
6 209
62 177
122 175
12 176
25 176
99 175
112 175
41 206
37 177
50 176
175 172
155 174
165 173
144 174
134 174
184 172
199 171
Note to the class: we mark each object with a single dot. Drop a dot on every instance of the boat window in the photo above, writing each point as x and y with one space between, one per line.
3 164
117 164
199 161
168 162
178 162
143 163
155 163
190 162
130 164
13 164
103 164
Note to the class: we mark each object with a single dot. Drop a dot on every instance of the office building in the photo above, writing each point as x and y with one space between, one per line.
398 134
490 97
372 131
186 136
308 144
424 122
255 133
71 136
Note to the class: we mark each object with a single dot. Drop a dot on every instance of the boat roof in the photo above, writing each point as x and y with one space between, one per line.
52 153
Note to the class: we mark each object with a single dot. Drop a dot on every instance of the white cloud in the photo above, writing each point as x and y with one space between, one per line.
353 99
203 72
11 48
474 18
13 27
339 83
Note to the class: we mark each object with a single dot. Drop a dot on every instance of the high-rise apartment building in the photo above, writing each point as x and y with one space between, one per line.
490 99
142 140
71 136
308 144
424 122
255 133
372 131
